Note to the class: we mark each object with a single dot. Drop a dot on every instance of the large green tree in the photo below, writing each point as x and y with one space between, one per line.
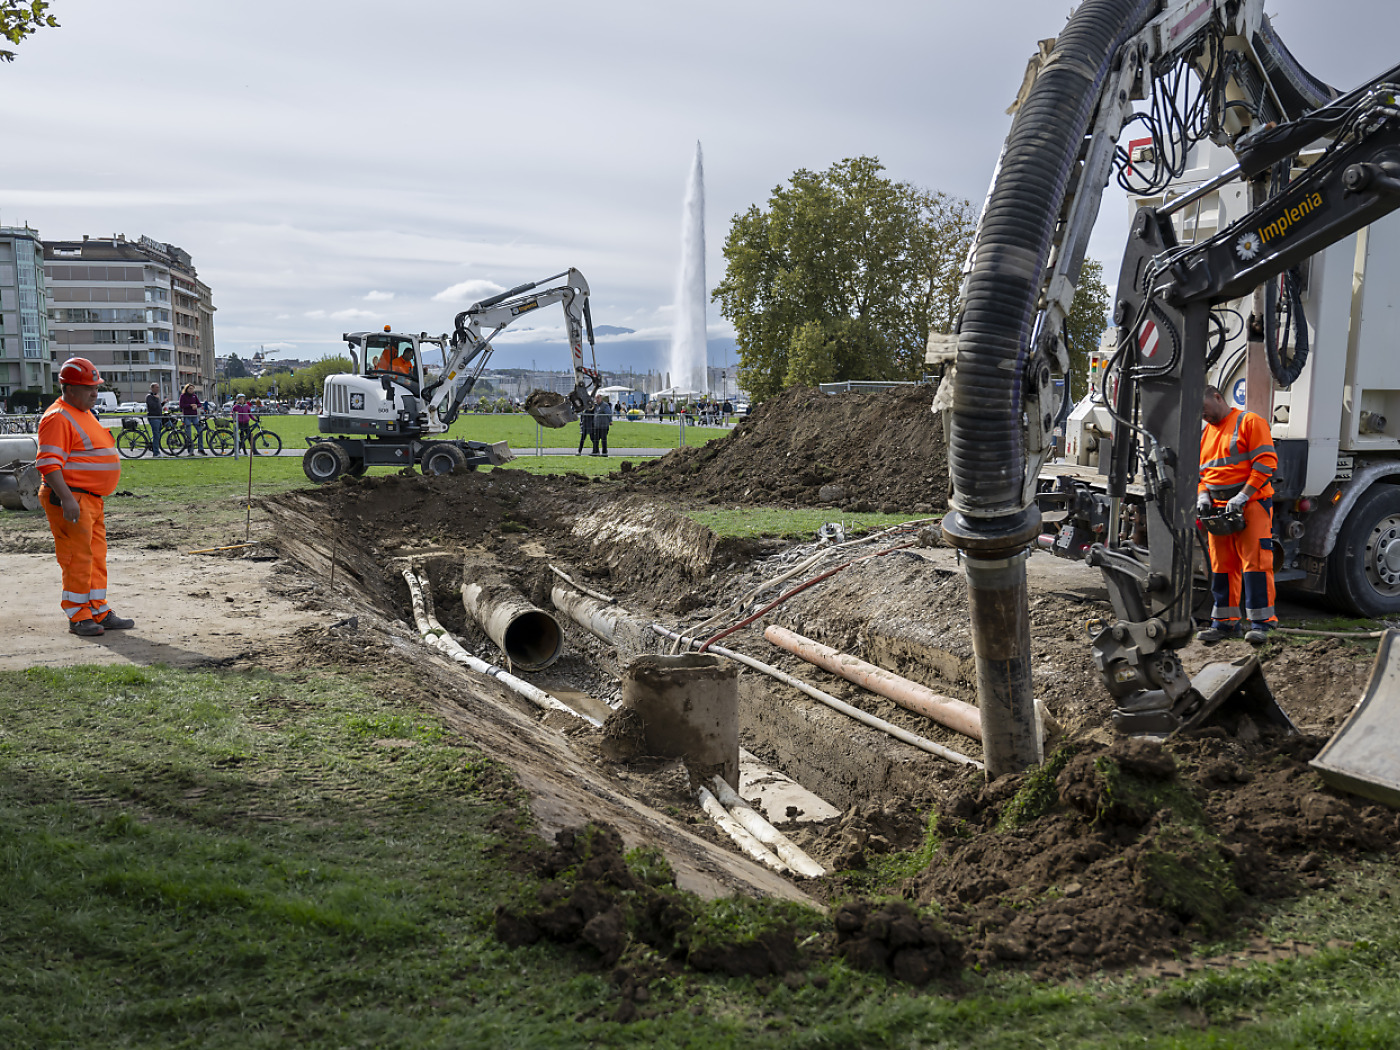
1084 328
19 19
841 277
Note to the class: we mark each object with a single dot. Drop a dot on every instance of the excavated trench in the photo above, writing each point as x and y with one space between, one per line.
1114 853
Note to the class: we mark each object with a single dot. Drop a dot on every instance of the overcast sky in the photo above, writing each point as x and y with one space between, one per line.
335 166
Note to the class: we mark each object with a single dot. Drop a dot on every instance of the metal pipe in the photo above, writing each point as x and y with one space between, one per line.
530 637
957 715
998 605
874 722
1174 205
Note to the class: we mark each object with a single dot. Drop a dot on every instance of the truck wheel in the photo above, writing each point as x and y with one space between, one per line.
357 468
1363 573
325 461
442 458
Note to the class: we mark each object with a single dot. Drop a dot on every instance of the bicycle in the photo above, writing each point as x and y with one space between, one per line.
175 442
262 442
135 439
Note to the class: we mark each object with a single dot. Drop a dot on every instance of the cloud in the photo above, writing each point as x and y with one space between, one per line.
468 292
340 315
379 297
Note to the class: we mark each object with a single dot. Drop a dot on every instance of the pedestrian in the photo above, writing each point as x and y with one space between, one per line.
79 464
243 422
585 428
194 427
155 416
1237 461
602 419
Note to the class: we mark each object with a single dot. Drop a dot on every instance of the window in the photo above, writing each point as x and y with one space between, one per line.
118 335
157 295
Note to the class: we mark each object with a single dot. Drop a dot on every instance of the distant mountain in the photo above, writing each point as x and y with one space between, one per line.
611 329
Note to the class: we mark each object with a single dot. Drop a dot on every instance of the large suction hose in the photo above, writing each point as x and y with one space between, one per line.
987 451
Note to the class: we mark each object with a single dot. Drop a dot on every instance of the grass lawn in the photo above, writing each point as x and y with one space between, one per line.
750 522
519 430
250 860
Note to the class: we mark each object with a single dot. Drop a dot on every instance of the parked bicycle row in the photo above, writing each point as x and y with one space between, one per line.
209 437
19 425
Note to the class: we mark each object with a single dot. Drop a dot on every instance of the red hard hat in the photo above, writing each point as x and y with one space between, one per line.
79 371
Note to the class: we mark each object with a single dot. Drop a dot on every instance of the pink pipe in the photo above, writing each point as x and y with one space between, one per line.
957 715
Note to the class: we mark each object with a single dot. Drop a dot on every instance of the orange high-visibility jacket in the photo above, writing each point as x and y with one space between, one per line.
74 442
1237 451
391 362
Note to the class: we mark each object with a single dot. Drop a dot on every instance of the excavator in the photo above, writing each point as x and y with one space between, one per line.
397 405
1313 167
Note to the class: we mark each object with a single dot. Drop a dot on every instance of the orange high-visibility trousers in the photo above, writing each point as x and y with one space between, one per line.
1242 568
81 547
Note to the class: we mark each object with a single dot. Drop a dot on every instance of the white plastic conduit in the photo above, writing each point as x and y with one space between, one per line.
435 636
746 842
912 739
787 850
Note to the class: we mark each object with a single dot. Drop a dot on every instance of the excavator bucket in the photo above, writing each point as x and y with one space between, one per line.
549 409
1232 695
1363 757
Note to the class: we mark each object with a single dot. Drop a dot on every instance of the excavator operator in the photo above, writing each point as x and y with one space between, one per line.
397 357
1237 461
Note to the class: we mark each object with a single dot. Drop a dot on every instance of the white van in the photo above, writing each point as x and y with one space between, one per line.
106 401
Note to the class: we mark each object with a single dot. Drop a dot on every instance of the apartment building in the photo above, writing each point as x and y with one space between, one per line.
24 335
136 309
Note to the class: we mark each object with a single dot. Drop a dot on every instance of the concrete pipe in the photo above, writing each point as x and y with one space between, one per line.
530 637
689 707
19 487
18 447
631 636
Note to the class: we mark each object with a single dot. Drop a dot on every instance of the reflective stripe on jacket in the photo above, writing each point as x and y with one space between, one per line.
1237 451
74 442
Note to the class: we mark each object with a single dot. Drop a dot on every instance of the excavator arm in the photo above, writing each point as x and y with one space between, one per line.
476 326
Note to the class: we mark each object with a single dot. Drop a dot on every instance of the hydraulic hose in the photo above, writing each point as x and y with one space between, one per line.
987 448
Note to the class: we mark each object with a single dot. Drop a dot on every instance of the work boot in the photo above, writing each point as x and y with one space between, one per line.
1258 633
86 628
1218 631
113 622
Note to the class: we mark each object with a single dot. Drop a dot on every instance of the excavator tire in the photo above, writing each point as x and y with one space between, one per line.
442 458
325 461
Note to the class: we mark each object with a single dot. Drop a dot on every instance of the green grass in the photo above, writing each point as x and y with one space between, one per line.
243 860
519 430
750 522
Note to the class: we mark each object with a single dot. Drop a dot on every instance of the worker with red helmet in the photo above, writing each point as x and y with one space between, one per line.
79 464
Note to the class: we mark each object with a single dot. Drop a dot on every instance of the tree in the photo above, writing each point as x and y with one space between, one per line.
19 19
842 277
1084 328
234 368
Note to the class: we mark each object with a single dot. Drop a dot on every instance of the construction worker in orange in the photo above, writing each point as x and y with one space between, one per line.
397 357
78 461
1237 462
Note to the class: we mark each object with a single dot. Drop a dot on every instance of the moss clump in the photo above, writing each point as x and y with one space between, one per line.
1129 796
1184 870
1039 794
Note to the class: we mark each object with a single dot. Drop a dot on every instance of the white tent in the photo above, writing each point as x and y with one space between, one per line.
616 390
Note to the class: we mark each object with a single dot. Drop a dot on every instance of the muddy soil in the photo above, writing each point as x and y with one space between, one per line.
1118 854
860 452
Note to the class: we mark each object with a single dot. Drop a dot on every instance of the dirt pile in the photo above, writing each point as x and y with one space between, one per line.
880 451
594 896
1105 857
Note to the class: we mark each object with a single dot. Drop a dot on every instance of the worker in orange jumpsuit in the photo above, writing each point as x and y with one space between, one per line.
78 461
1237 462
395 359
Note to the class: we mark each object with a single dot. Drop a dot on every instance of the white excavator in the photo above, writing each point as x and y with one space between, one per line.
406 391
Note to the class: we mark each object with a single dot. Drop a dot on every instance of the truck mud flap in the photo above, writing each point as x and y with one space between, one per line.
1363 757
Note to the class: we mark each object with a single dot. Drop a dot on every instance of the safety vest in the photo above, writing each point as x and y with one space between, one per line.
74 442
394 363
1237 451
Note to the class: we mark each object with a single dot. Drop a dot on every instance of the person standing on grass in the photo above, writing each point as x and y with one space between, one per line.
585 428
155 416
79 464
194 426
602 419
243 421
